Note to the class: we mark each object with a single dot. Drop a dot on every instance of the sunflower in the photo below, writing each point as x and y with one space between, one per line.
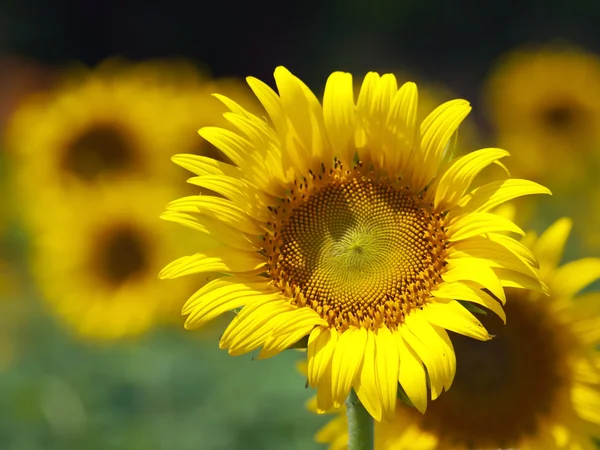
536 385
344 223
95 262
112 122
545 105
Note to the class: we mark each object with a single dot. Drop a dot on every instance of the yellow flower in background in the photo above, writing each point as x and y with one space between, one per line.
545 106
112 122
345 223
96 257
536 385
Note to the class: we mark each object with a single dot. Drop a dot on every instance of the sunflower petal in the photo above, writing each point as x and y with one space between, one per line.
366 385
346 361
454 317
411 374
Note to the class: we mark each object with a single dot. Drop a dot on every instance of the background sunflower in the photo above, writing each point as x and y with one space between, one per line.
168 389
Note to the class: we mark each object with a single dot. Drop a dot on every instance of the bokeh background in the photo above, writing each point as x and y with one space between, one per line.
93 353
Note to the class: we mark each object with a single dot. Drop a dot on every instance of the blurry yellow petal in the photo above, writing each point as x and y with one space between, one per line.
549 247
572 277
453 316
346 361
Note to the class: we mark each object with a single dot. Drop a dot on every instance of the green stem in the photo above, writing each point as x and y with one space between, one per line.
360 424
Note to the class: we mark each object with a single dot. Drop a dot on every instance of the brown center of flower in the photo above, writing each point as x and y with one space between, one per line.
103 148
504 386
356 248
123 255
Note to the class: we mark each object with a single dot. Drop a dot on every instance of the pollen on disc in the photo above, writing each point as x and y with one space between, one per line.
357 249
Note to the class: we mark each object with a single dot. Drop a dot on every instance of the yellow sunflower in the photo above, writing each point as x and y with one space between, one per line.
536 385
346 224
95 261
112 122
545 106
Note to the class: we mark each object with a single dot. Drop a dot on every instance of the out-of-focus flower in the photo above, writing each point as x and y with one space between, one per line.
347 223
536 385
545 106
96 259
110 123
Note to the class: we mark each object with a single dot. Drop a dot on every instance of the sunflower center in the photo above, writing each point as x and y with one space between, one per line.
123 255
356 249
100 149
502 387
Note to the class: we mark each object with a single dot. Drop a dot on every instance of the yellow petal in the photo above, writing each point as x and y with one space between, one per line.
478 224
456 180
386 373
466 269
203 165
216 230
572 277
338 112
462 291
411 374
252 326
428 352
231 144
549 247
492 254
491 195
436 130
453 316
288 328
346 361
321 343
224 259
366 386
402 124
217 208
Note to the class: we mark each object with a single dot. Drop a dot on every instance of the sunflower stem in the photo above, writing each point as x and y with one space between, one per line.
360 424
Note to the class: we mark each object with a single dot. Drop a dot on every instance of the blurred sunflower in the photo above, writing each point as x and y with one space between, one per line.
545 105
96 261
536 385
346 223
115 121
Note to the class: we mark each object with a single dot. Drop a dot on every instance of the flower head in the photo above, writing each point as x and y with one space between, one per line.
346 223
545 105
535 385
95 262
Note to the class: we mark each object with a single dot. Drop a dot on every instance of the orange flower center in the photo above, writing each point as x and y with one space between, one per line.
356 248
